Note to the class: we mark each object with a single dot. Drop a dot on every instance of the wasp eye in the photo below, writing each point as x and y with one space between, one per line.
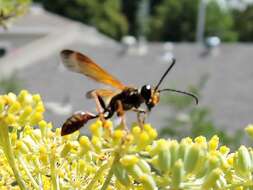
146 92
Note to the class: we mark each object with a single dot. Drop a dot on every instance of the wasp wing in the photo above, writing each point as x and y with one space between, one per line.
80 63
105 93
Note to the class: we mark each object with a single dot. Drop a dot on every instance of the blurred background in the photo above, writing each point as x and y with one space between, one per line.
135 41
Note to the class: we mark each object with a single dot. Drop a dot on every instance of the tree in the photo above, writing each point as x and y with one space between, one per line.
105 15
175 20
220 22
130 8
244 24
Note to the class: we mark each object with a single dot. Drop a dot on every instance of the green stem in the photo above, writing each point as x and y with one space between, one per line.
243 184
6 144
97 176
110 173
28 173
54 177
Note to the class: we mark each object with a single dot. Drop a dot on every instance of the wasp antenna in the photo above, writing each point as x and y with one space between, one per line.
166 72
182 92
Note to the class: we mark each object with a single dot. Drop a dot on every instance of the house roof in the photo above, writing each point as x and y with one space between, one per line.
39 34
227 92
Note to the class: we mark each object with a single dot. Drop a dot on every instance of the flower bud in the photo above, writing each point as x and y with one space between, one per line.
107 124
22 147
201 140
249 130
173 151
118 134
177 174
11 98
151 132
121 174
129 160
14 108
183 150
40 107
148 182
143 140
36 118
136 130
144 166
157 146
85 144
244 160
43 155
43 127
213 143
211 179
96 143
36 98
135 171
22 95
224 150
66 149
81 166
10 120
164 159
192 158
2 104
201 163
96 129
213 162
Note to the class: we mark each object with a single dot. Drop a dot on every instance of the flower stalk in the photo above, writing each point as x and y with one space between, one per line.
110 173
6 146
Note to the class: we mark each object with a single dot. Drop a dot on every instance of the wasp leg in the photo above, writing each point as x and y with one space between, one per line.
141 118
120 113
100 105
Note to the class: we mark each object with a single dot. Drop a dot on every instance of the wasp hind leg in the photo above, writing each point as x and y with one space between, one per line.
121 113
100 105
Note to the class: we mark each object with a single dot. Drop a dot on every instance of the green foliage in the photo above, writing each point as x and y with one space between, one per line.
176 21
130 8
219 22
187 119
105 15
10 9
170 20
244 23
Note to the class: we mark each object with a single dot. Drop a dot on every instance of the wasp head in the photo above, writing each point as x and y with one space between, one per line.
150 96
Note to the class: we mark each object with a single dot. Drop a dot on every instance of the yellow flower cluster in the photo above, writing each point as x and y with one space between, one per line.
35 156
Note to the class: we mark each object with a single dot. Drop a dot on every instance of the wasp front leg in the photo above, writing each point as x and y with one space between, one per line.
141 116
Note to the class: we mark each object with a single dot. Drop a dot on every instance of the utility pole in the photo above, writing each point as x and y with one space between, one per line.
142 17
201 21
